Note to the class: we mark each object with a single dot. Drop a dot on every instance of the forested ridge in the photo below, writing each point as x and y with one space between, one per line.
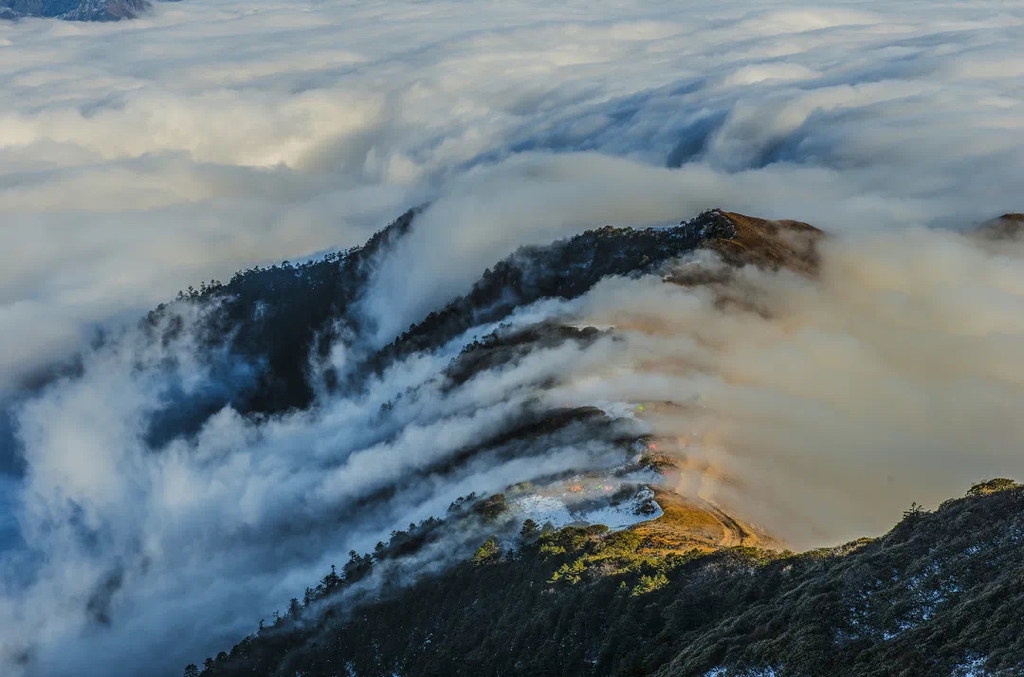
940 594
262 332
693 592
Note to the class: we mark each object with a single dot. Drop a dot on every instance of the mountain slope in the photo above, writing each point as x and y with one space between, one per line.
275 322
577 558
938 595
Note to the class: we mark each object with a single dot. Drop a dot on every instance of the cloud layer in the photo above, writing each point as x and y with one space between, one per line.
141 157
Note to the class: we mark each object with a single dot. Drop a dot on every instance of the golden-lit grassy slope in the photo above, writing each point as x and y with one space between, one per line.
689 523
769 244
749 241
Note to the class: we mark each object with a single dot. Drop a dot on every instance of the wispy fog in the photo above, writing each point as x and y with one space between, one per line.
141 157
823 408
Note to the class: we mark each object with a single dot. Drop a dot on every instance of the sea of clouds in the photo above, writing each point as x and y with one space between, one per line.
141 157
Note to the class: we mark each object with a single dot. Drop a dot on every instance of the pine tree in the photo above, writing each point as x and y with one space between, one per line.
487 553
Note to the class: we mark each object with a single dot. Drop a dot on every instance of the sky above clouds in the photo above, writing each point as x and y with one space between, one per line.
141 157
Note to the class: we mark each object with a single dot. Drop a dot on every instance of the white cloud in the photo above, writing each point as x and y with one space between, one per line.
140 157
267 505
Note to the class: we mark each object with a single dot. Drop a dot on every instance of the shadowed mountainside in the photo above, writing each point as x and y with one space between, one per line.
275 322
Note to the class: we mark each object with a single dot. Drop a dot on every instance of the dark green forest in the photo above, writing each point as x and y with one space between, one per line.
941 592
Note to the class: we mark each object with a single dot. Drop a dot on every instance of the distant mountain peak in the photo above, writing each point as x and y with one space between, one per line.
73 10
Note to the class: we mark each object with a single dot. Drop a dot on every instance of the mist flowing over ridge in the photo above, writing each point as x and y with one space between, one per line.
557 361
215 458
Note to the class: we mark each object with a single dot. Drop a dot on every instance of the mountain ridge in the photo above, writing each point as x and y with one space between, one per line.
923 599
605 531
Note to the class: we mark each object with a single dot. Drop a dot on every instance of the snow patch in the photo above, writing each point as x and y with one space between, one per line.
556 510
